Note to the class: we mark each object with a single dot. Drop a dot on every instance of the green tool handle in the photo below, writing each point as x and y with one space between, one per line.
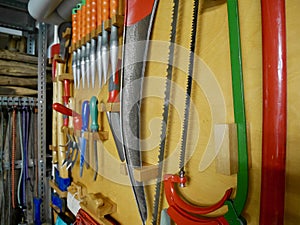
239 201
94 114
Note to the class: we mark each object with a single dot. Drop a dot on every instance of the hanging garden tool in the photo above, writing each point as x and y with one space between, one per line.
138 27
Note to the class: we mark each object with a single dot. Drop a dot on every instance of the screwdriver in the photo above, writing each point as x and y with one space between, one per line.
99 43
94 129
105 45
85 113
74 40
79 36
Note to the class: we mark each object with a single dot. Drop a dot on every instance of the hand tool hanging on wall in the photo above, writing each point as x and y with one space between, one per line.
114 117
236 206
87 41
64 35
137 28
74 40
164 124
79 36
94 129
93 19
83 65
180 211
105 39
273 174
99 43
73 148
72 151
114 39
85 122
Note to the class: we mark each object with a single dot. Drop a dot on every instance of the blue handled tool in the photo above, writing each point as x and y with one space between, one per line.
85 113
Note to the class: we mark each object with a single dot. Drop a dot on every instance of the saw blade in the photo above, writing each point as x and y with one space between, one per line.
161 154
165 115
189 86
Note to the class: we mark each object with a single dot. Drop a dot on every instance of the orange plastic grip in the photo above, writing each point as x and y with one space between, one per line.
88 16
99 12
113 8
74 26
94 14
105 10
79 34
83 20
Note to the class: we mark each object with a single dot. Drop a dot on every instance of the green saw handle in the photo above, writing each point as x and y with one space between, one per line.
94 114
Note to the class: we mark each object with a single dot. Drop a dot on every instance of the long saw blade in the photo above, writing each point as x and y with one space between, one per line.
138 29
165 115
189 86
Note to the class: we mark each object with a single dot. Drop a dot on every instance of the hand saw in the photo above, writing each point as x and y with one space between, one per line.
139 17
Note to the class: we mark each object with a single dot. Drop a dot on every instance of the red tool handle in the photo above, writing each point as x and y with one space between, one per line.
99 13
113 8
88 16
64 110
274 112
114 87
74 26
94 14
137 10
105 10
66 97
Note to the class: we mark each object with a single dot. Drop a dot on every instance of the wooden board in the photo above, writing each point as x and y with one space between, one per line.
212 104
19 57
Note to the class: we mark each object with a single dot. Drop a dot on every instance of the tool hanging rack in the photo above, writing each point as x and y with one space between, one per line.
94 175
19 163
18 101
